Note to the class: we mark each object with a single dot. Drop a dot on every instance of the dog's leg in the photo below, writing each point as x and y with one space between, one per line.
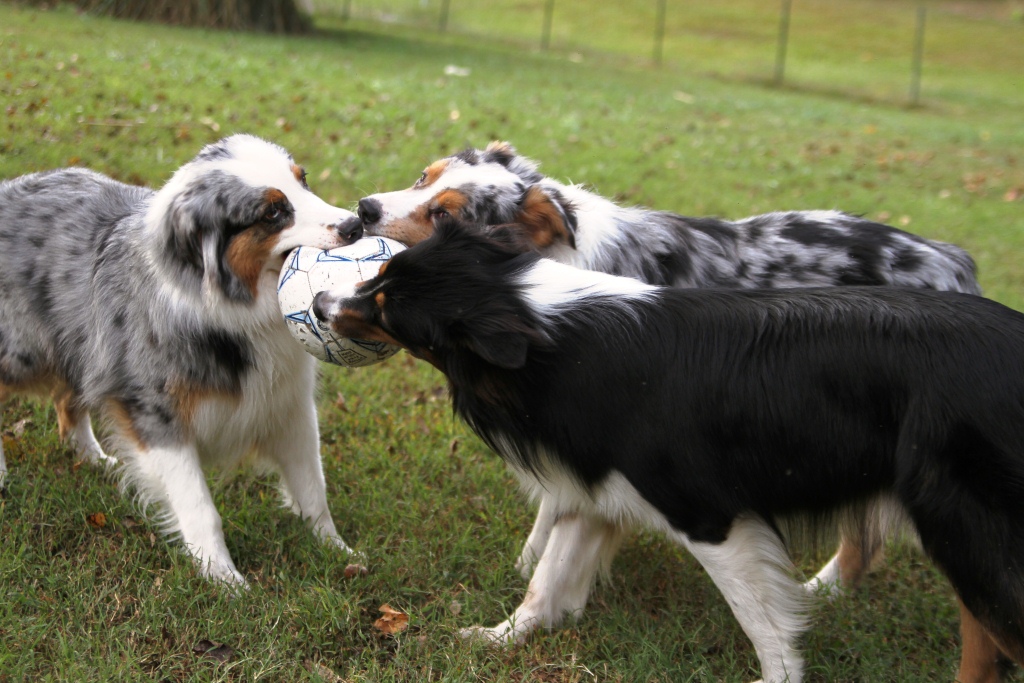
174 476
538 538
753 571
579 547
842 573
979 659
296 453
75 427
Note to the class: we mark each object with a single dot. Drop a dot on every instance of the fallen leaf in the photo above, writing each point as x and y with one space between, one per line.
19 427
453 447
354 570
325 673
221 653
97 520
392 621
340 401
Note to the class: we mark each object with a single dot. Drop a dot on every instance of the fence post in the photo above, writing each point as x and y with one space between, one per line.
545 36
915 69
780 51
659 32
442 24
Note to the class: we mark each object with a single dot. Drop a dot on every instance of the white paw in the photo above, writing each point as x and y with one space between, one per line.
224 573
337 543
490 636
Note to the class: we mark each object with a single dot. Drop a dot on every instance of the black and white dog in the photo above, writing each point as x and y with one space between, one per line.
158 310
570 224
713 415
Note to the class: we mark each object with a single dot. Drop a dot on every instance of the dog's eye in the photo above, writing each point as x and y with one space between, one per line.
423 177
439 212
273 213
302 179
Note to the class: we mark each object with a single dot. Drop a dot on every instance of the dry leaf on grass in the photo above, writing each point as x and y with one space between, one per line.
97 520
354 570
207 648
392 621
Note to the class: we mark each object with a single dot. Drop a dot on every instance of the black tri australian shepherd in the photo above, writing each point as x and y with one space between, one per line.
157 310
574 225
714 415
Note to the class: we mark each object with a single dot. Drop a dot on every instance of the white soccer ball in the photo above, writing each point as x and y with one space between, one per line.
308 271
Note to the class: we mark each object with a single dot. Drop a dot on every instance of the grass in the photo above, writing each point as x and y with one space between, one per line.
365 107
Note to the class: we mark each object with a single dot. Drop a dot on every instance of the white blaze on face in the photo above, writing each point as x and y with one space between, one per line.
456 174
263 164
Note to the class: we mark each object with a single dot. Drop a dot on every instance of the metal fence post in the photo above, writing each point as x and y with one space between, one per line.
780 51
915 69
659 32
442 24
545 36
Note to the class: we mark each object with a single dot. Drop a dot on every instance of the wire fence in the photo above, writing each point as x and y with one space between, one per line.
883 49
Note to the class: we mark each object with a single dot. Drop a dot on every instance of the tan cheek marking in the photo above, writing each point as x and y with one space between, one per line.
434 171
452 201
247 254
410 230
351 324
542 219
379 299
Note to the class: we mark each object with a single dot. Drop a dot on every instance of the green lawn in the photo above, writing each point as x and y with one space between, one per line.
364 106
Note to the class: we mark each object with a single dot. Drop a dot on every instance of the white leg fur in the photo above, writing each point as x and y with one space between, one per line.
296 453
175 475
828 581
753 572
579 547
83 440
537 541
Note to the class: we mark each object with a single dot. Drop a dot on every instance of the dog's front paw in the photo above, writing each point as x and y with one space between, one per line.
504 634
337 543
226 574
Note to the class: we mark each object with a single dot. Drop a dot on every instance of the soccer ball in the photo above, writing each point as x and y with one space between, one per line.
308 271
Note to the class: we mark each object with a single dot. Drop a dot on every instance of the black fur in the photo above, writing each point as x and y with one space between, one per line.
716 404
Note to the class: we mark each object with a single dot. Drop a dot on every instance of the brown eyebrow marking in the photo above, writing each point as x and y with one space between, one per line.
300 174
433 172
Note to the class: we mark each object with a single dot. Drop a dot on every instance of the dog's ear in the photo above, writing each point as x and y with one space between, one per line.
198 226
500 152
501 349
547 217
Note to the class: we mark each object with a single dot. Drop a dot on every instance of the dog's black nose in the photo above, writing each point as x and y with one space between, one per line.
369 210
350 229
320 303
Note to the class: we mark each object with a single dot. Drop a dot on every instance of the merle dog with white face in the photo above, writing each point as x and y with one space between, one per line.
158 311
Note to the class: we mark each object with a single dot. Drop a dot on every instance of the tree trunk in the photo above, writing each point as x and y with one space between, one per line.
274 16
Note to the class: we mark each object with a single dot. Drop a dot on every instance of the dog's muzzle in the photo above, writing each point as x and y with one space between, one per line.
369 210
350 229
